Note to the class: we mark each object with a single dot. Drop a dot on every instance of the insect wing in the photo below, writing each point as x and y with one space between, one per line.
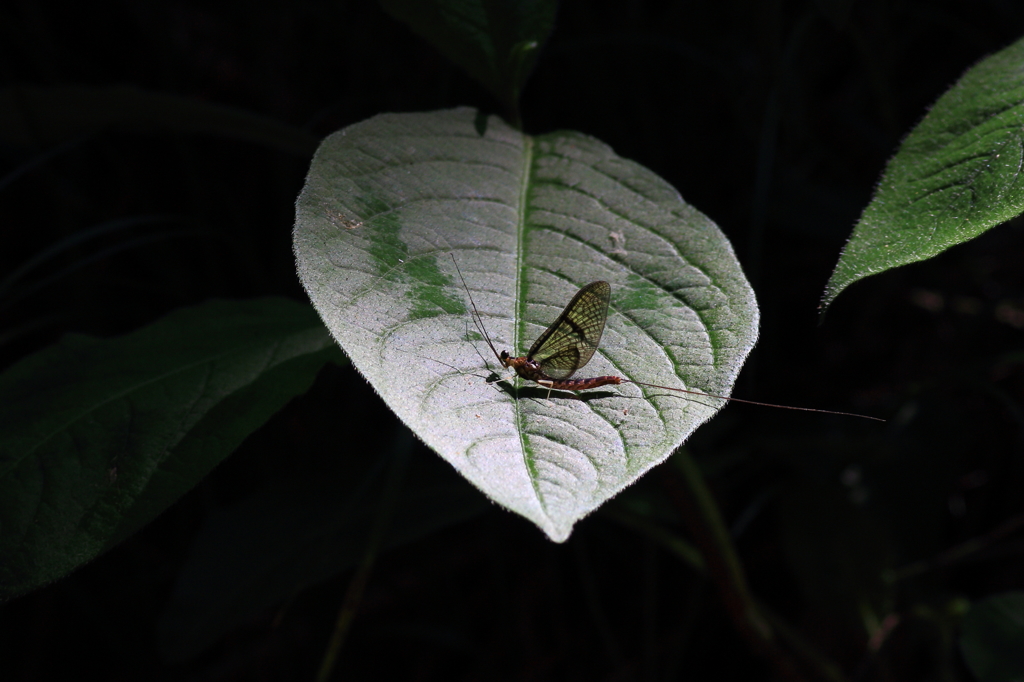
571 340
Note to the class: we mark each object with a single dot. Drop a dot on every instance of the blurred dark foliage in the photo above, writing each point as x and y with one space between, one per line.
774 118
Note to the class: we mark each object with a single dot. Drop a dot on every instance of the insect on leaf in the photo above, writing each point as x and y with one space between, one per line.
528 220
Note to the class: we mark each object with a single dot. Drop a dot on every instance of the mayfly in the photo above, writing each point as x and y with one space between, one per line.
570 342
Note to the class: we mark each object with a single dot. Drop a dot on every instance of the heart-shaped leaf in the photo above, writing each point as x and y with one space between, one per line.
956 175
389 203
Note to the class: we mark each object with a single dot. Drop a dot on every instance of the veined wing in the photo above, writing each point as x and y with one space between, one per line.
571 340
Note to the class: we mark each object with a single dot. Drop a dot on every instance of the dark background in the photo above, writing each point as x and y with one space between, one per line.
775 119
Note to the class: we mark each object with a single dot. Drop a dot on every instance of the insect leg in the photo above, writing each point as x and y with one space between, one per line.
549 384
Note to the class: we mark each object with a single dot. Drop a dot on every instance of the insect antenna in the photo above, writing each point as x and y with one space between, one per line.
477 319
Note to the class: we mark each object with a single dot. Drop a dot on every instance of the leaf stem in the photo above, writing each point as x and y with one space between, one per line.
356 587
668 540
958 553
689 492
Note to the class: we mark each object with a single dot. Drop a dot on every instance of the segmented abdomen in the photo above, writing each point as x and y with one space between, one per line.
582 384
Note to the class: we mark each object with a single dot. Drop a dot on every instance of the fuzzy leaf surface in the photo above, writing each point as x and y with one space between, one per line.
387 204
957 175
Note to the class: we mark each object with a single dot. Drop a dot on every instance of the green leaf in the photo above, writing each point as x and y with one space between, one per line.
36 116
992 638
956 175
495 41
97 437
306 528
387 204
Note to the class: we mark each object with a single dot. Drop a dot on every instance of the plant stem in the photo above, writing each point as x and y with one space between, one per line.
958 553
691 495
356 587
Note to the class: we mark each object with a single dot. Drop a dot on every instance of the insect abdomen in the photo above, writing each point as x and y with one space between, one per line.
580 384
